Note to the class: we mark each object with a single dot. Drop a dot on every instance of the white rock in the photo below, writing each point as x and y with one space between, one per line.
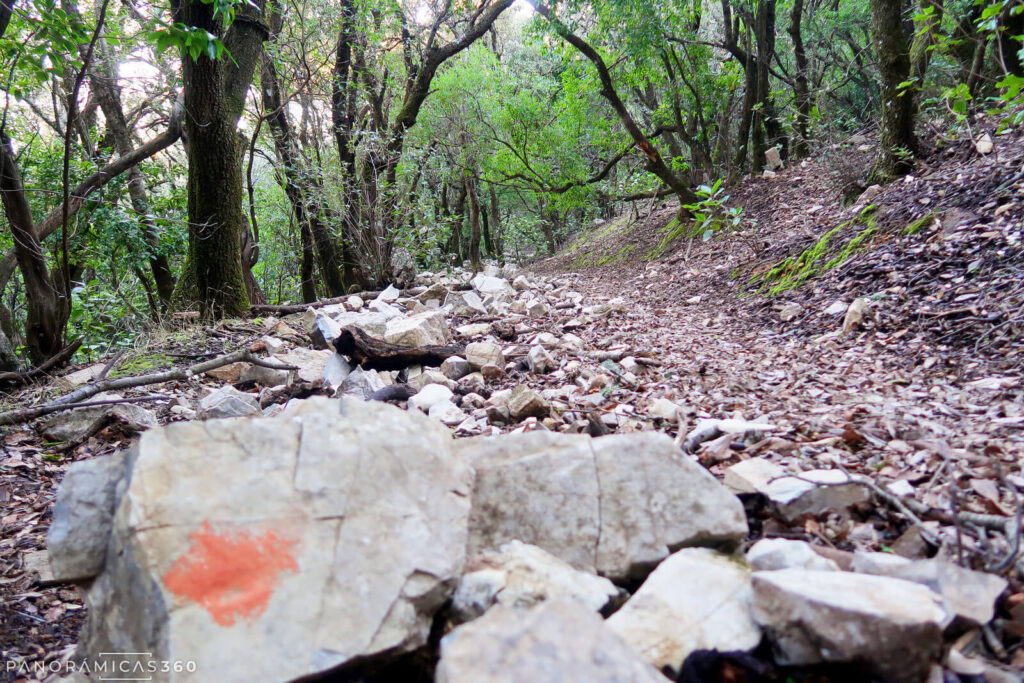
521 575
614 504
354 303
556 641
790 311
422 329
311 363
324 331
815 492
751 476
389 295
837 308
537 309
855 314
968 594
663 409
521 283
475 329
496 287
465 303
385 309
773 158
231 538
984 144
455 367
540 361
373 324
525 402
781 553
430 376
429 395
447 412
337 369
892 625
697 599
227 402
480 354
81 423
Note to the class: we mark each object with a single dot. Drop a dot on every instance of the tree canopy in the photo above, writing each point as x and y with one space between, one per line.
208 155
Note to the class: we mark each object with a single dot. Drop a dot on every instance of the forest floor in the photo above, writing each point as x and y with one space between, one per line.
923 391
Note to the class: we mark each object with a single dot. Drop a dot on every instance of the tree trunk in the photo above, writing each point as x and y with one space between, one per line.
474 224
301 193
897 139
214 99
46 307
499 250
801 89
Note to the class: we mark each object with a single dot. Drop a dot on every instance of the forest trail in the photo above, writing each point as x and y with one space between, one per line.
899 366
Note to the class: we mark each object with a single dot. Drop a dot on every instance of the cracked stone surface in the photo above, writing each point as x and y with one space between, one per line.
616 505
276 548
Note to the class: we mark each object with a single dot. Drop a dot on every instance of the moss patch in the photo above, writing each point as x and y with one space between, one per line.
142 364
794 271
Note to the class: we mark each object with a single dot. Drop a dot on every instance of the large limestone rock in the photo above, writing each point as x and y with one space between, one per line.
465 303
697 599
520 575
970 595
556 641
495 287
373 324
618 504
892 626
428 328
273 549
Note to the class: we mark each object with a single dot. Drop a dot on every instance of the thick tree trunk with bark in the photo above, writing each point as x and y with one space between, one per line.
897 140
214 99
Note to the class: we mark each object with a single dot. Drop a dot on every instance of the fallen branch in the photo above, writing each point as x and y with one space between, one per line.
178 374
375 354
299 308
115 401
62 357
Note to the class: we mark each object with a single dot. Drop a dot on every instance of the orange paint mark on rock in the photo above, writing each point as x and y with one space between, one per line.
231 574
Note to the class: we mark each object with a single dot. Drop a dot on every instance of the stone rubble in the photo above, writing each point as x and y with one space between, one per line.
345 527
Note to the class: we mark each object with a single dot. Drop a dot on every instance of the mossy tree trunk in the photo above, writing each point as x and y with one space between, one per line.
896 136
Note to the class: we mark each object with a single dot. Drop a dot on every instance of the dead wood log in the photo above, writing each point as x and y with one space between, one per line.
375 354
261 309
241 355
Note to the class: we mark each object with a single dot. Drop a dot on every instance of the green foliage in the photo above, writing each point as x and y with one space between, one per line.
710 215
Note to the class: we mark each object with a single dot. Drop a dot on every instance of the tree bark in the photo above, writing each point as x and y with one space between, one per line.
801 88
474 224
214 99
898 142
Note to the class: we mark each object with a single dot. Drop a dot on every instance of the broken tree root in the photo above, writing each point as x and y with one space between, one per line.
69 401
375 354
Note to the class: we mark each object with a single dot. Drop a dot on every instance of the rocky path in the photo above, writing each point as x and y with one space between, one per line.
591 443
